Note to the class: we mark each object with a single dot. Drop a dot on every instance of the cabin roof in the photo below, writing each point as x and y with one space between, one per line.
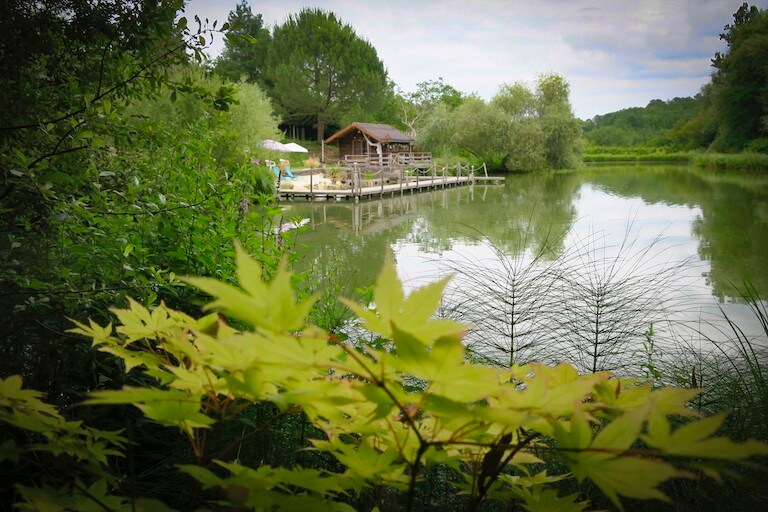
380 132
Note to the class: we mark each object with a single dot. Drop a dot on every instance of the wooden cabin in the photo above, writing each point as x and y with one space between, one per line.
374 145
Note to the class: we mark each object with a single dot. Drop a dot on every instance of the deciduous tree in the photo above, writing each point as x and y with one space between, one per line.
741 81
415 106
561 130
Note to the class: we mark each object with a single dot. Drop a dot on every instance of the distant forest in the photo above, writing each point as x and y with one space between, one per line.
730 113
657 124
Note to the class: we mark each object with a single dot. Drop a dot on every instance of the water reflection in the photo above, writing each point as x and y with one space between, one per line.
731 227
716 223
523 215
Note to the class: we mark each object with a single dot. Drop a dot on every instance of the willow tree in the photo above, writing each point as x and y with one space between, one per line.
562 131
523 137
322 70
414 107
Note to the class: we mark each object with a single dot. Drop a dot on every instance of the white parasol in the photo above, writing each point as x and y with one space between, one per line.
295 148
273 144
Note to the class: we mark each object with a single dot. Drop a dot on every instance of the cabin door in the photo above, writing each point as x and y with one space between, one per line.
358 147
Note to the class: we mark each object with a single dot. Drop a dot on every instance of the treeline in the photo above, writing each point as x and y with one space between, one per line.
320 74
730 113
652 125
315 68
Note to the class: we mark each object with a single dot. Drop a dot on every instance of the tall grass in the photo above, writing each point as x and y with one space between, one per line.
718 161
638 157
599 154
612 297
591 305
507 298
736 161
613 308
732 370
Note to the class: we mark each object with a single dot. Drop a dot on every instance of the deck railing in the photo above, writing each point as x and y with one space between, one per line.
390 160
360 177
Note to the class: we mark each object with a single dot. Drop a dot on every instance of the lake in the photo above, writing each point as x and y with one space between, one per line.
588 266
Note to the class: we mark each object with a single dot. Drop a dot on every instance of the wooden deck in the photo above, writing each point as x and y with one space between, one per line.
381 189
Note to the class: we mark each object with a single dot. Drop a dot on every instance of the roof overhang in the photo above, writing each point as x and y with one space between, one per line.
362 128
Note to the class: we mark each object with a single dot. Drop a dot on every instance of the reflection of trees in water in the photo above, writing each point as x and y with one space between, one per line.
733 227
516 217
520 215
353 236
733 231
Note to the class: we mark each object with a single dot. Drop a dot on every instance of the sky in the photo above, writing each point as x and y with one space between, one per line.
615 54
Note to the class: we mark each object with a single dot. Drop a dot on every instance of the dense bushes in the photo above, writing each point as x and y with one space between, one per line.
519 130
119 172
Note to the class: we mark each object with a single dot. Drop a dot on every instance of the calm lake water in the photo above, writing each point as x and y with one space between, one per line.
668 245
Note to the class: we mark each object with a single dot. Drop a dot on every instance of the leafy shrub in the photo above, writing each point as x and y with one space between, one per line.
387 412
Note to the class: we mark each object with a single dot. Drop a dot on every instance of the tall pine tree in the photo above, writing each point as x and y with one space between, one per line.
245 47
322 71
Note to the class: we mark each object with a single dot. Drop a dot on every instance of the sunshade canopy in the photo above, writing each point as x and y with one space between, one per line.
291 147
295 148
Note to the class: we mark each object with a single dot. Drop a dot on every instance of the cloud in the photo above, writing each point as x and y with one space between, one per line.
616 54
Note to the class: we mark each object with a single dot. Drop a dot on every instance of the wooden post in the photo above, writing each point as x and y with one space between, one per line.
311 189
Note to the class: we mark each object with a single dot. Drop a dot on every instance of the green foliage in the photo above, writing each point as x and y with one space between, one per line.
237 131
387 414
67 86
321 70
658 123
739 82
519 130
476 130
633 154
122 166
414 107
560 130
524 134
740 161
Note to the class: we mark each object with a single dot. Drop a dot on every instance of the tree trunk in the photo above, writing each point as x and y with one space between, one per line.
320 129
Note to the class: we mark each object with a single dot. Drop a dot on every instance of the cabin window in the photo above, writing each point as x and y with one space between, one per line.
358 147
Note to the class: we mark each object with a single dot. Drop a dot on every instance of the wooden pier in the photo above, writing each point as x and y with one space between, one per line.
364 183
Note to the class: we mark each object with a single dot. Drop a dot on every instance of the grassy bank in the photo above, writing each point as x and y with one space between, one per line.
599 154
721 161
734 161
